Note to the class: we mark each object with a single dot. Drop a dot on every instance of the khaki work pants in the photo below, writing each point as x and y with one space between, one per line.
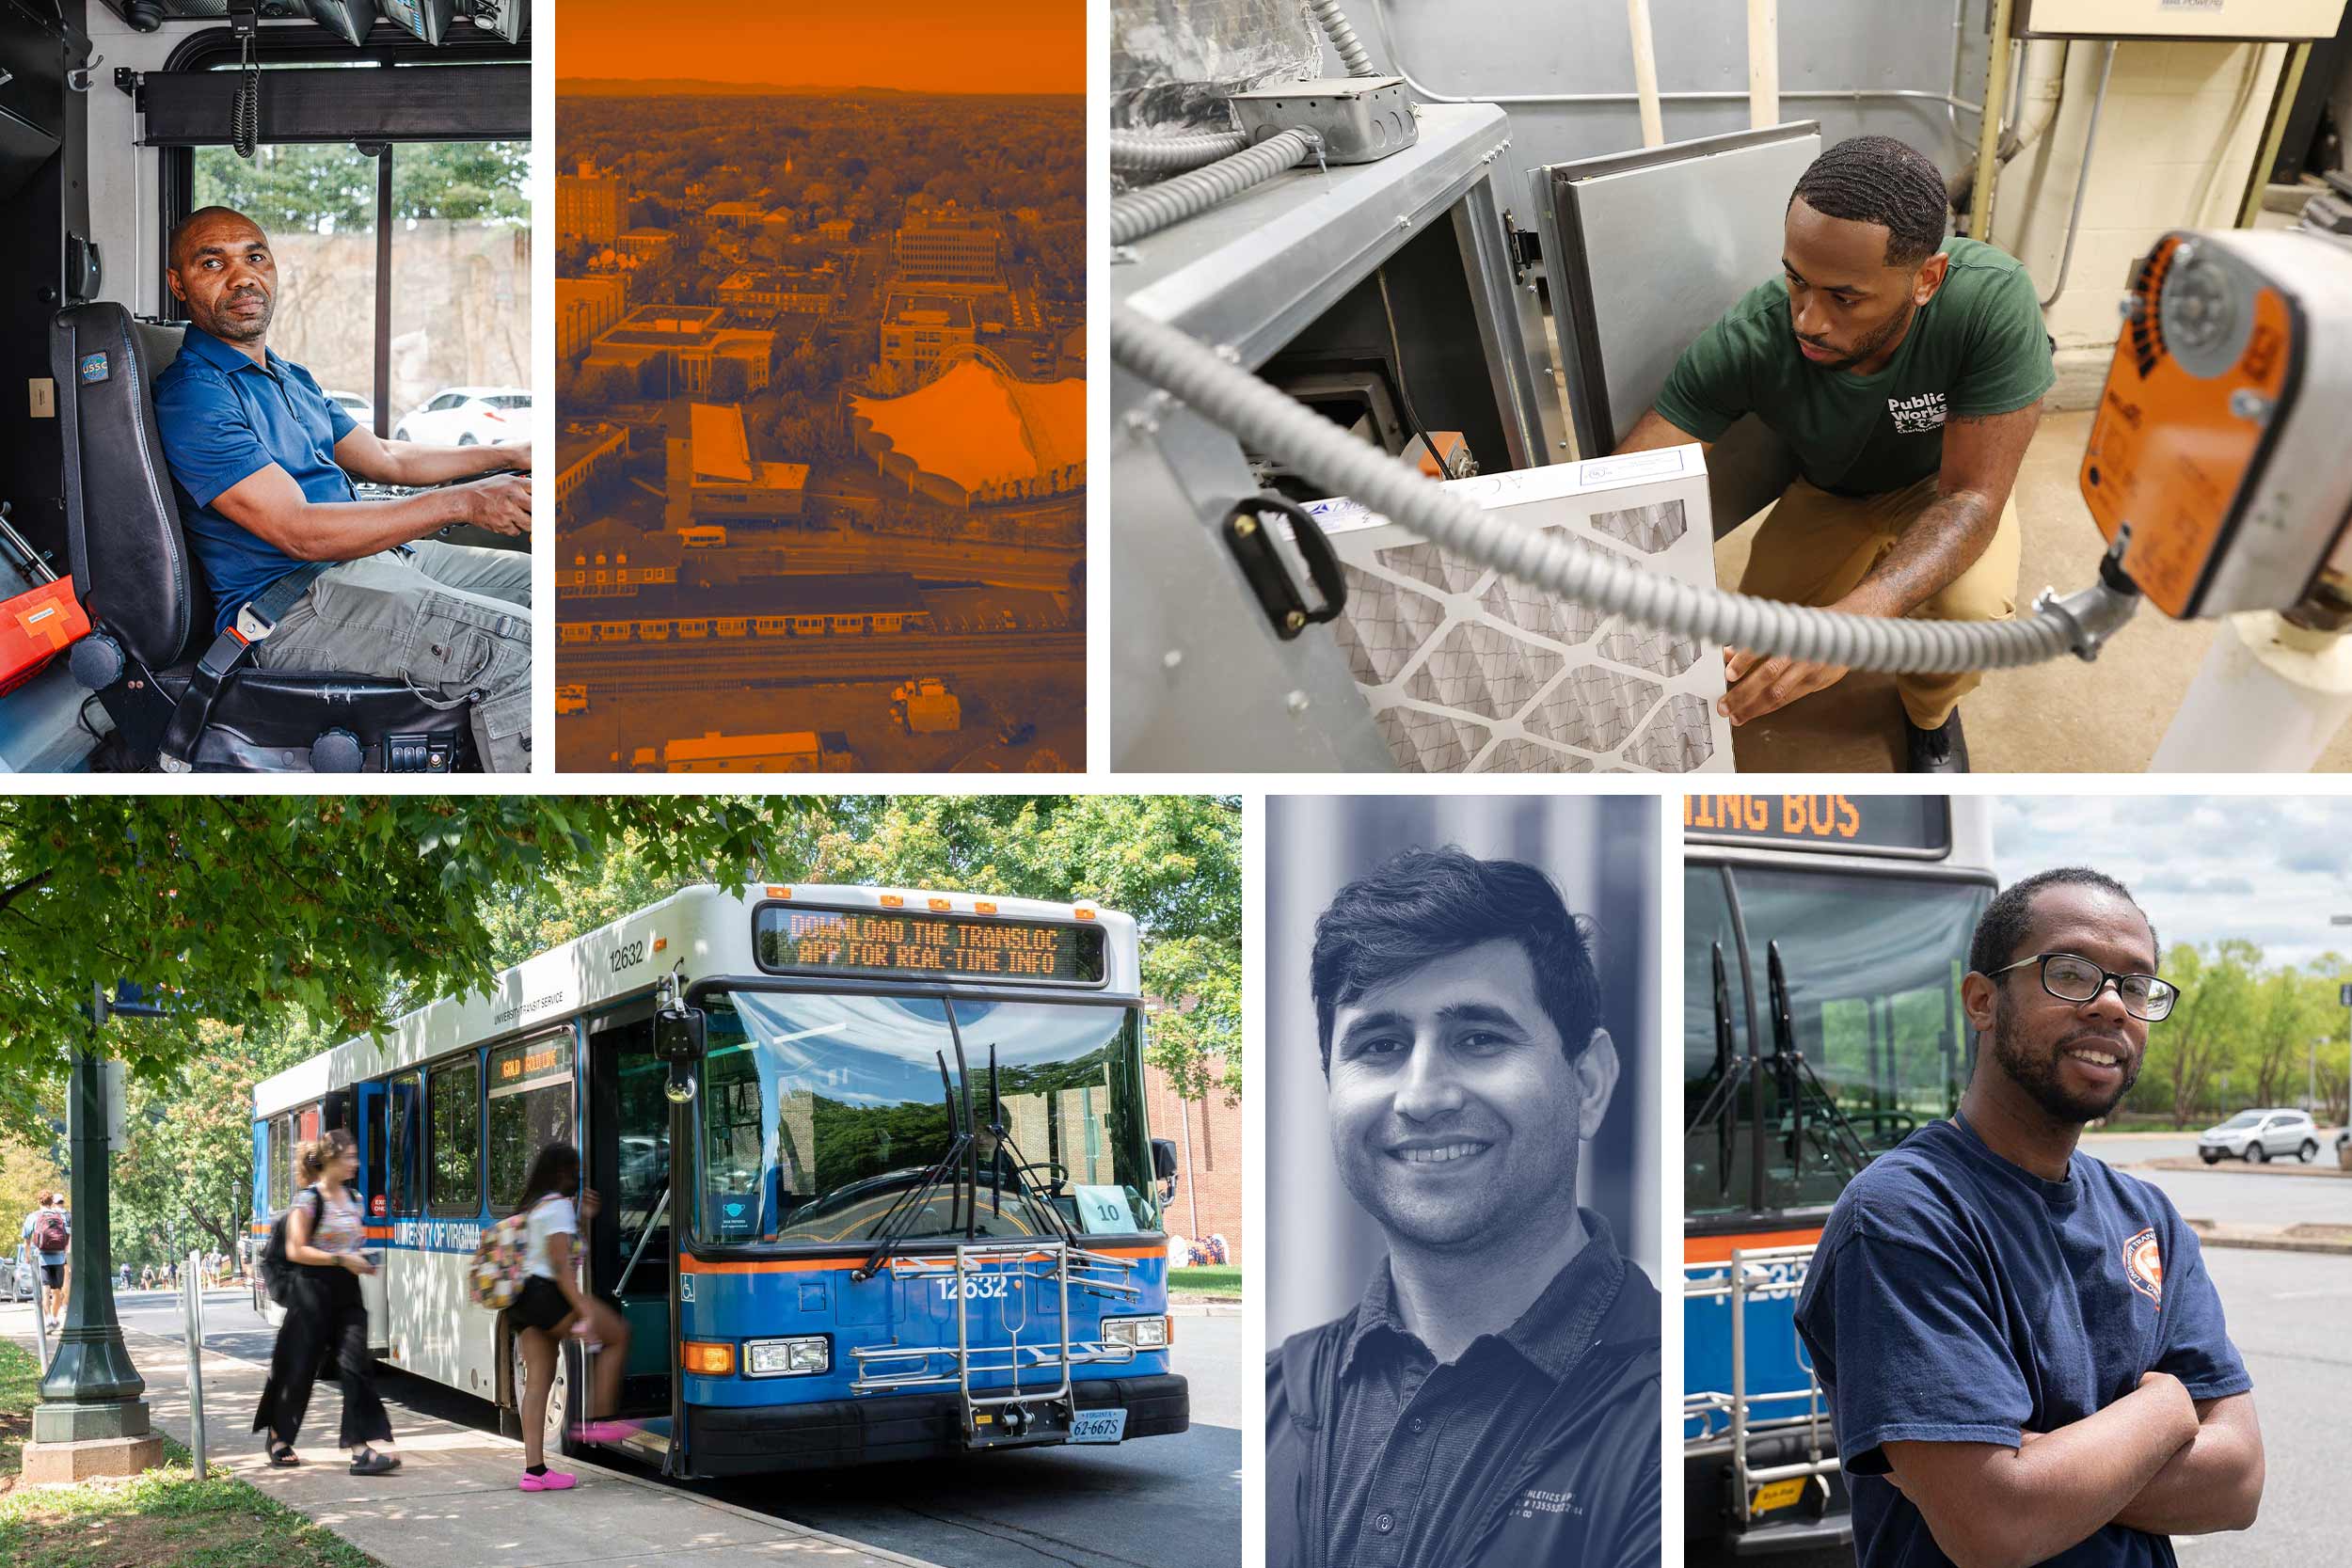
1815 547
453 620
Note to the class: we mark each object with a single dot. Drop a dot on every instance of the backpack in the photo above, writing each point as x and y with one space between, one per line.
277 1268
496 1278
49 1232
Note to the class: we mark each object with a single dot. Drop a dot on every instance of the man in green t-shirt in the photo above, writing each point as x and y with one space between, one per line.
1905 372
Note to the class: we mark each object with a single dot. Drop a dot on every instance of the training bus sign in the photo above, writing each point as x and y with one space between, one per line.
1907 824
902 944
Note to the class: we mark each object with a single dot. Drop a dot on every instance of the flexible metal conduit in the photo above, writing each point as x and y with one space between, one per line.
1152 209
1134 152
1343 39
1269 422
2082 178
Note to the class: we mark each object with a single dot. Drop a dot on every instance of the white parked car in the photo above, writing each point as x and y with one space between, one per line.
19 1279
2257 1135
469 416
361 410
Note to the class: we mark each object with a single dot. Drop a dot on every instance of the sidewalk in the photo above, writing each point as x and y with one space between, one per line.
453 1503
2273 1238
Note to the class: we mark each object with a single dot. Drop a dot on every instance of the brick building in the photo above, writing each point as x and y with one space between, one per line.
1207 1135
587 207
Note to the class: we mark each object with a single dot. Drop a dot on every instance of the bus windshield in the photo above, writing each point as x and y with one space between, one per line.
1873 964
821 1111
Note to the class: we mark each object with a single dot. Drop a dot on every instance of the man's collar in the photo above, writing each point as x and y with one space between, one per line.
1553 1331
220 355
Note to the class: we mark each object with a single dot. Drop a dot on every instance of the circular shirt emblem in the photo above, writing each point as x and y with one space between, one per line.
2144 1266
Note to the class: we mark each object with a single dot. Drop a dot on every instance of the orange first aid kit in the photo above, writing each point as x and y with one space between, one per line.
37 624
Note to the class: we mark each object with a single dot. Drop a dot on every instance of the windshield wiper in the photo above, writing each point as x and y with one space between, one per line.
1019 1162
900 1216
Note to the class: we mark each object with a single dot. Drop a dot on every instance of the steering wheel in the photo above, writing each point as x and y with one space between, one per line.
1057 1174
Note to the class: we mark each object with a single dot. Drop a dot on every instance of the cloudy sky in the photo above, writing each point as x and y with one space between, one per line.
2266 868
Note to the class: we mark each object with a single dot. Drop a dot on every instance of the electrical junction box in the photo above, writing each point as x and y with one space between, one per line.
2217 454
2178 19
1361 120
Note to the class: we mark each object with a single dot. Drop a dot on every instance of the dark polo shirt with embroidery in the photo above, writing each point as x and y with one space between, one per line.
1537 1445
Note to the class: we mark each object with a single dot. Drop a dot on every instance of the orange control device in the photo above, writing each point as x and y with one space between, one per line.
2221 455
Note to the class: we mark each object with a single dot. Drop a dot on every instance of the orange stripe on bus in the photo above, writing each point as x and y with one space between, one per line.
379 1232
1717 1249
811 1266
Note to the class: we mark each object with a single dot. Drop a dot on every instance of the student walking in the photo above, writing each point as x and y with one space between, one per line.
325 1317
552 1302
47 1229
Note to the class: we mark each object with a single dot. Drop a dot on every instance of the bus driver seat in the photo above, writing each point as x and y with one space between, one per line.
151 613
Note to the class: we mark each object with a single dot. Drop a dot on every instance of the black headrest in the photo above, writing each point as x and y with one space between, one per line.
131 564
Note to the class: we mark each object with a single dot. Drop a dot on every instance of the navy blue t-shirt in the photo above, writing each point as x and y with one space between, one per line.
225 418
1957 1298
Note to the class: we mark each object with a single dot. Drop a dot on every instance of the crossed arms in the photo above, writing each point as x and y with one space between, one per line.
2155 1460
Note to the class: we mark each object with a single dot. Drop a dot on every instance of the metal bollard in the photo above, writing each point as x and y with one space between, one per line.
192 1299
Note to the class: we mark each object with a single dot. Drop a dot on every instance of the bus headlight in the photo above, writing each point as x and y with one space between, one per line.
1141 1333
800 1357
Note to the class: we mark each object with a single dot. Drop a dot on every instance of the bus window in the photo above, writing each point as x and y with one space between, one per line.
531 1107
280 1163
1718 1170
306 1133
1874 967
460 304
454 1090
373 1176
401 1110
642 1120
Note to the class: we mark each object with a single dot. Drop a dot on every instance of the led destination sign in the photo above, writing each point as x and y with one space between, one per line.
900 945
1909 824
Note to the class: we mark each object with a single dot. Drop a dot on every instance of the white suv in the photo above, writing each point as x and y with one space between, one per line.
469 416
2256 1135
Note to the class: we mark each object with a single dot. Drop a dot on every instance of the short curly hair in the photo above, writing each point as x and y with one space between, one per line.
1427 904
2001 930
1880 179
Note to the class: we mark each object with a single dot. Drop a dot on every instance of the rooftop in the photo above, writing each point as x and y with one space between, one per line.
927 308
575 442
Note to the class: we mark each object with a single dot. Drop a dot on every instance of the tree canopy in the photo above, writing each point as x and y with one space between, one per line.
314 186
272 925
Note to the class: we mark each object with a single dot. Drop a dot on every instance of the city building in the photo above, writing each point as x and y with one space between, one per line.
585 306
919 331
584 452
839 230
1207 1135
682 343
650 246
979 433
949 243
742 215
783 290
609 559
587 207
713 477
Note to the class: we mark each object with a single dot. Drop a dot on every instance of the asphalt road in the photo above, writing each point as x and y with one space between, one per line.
1165 1502
2129 1148
2286 1313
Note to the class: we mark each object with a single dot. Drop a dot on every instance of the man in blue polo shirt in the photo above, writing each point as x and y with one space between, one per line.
2024 1357
264 463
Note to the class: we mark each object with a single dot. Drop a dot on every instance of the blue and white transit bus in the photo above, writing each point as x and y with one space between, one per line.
876 1176
1824 938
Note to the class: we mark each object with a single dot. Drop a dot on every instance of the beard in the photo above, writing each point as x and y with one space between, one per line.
1886 334
2037 1073
232 329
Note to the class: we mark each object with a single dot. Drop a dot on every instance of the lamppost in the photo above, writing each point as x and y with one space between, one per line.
91 1420
2345 996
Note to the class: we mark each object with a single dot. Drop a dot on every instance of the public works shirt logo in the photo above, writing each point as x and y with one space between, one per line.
2144 1266
1916 416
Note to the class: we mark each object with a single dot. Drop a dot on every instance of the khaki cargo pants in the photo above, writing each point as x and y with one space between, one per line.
453 620
1815 547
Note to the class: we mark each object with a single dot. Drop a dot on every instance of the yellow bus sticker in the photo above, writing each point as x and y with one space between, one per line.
1778 1494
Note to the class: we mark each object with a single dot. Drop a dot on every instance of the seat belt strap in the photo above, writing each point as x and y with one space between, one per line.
253 623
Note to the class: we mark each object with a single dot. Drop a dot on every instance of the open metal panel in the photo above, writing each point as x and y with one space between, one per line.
1645 249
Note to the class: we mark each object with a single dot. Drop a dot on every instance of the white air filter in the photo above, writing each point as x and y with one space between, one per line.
1468 670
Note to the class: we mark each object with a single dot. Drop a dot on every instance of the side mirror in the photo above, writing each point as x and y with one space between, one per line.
679 1035
1164 1161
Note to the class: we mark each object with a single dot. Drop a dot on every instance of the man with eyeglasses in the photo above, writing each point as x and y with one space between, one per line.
2024 1358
